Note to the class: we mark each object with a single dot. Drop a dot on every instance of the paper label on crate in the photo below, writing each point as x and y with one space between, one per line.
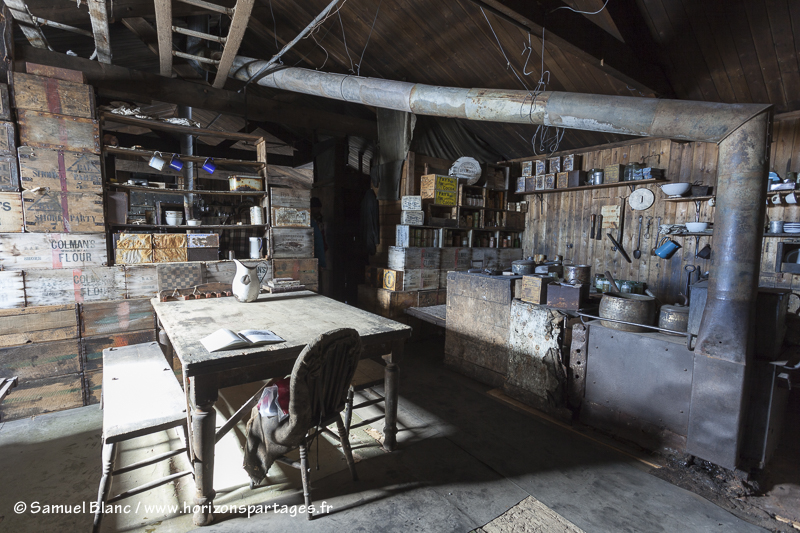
411 203
445 198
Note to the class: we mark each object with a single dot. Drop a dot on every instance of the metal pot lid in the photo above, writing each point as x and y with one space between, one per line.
524 262
682 309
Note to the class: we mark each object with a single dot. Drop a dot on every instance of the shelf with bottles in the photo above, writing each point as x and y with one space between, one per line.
494 238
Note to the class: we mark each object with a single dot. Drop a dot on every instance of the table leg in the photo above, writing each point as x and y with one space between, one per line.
204 395
390 395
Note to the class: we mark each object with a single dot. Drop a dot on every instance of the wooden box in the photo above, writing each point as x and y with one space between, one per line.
117 316
521 184
540 181
441 190
134 241
613 173
246 183
456 259
413 218
169 240
133 257
411 203
46 130
549 181
170 255
38 324
534 288
41 360
12 290
5 105
63 212
51 95
392 304
401 258
202 240
554 165
541 166
296 198
93 347
24 251
41 396
141 281
60 170
202 254
9 174
291 217
570 297
10 212
576 178
515 220
8 138
530 184
562 180
65 74
290 243
303 270
572 162
399 280
54 287
527 168
427 298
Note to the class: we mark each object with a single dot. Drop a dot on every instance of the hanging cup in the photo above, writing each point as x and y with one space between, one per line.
156 161
176 163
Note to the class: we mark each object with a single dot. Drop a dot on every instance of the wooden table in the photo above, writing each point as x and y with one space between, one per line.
296 317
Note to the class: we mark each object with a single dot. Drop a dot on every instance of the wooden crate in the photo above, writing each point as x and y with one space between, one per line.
93 346
401 280
38 324
5 104
443 281
133 257
440 190
170 255
52 95
12 290
427 298
117 316
60 170
54 211
11 212
411 203
8 139
169 240
303 270
456 259
289 243
134 241
295 198
65 74
413 218
401 258
534 289
290 217
93 383
46 130
202 240
392 304
613 173
53 287
9 173
43 396
219 271
41 360
23 251
141 281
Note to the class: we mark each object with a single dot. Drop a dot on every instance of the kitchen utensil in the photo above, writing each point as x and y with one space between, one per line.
193 222
255 247
174 218
647 230
675 190
523 267
791 198
776 199
596 176
612 282
577 274
638 253
599 235
674 318
594 225
246 284
696 227
641 199
705 253
776 226
666 247
175 163
256 215
619 248
634 308
689 269
157 161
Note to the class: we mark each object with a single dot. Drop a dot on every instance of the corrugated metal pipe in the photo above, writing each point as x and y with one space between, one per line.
741 130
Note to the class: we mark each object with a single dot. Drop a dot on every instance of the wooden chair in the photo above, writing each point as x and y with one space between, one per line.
369 374
6 384
141 395
318 387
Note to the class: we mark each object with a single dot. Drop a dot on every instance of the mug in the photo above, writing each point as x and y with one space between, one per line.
776 200
666 247
776 226
791 198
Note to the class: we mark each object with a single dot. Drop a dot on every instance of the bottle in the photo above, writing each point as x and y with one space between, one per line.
491 242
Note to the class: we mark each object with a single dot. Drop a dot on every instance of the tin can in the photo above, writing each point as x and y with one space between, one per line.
257 216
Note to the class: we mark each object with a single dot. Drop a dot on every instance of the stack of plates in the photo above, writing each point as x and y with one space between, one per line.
791 227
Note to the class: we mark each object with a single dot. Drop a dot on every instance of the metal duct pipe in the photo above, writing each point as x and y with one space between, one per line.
187 148
741 130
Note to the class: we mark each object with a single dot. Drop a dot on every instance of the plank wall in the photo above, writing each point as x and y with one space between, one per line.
559 223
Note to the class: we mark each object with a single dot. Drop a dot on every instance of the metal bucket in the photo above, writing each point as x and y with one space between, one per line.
578 274
629 308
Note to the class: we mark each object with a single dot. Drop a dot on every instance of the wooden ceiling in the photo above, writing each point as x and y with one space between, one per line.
713 50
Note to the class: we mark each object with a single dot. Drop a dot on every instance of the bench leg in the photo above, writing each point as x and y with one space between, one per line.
105 482
203 433
390 422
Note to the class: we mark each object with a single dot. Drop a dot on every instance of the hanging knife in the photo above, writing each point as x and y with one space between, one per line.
594 225
619 247
599 235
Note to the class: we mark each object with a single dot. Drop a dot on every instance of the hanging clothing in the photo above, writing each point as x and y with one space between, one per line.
370 222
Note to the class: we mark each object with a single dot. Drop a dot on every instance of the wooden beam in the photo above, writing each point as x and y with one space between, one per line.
64 11
241 15
164 29
102 41
575 34
6 43
633 28
26 23
147 33
122 83
177 128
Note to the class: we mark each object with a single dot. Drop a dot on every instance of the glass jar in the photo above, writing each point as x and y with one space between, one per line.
626 287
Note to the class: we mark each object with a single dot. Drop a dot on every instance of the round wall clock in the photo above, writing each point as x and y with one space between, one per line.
641 199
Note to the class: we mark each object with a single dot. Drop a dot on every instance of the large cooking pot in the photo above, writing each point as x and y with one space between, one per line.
634 308
674 318
577 273
523 267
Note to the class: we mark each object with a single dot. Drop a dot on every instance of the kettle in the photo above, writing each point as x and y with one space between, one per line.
246 284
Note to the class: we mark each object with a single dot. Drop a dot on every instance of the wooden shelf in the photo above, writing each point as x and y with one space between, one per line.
184 227
709 234
185 191
789 235
176 128
195 158
689 199
590 187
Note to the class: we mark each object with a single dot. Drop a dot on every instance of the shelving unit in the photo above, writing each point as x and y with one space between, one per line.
159 190
194 158
591 187
185 227
689 199
710 234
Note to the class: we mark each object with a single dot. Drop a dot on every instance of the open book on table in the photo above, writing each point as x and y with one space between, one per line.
225 339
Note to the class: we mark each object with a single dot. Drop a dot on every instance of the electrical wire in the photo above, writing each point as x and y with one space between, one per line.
582 12
361 59
274 30
344 39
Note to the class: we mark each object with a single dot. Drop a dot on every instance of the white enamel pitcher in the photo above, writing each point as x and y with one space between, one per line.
246 284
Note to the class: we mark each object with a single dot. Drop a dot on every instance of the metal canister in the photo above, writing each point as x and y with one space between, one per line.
674 318
577 273
596 176
256 215
628 308
626 286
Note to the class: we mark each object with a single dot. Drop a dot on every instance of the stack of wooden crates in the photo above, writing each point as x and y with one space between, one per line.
291 237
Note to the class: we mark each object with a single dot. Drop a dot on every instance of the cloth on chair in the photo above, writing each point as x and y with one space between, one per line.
317 391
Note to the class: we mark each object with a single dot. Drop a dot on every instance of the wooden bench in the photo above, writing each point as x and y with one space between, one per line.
140 396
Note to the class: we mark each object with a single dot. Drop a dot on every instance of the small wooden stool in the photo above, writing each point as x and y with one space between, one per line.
140 396
368 374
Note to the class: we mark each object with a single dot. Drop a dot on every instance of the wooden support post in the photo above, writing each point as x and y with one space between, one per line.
102 41
241 15
164 29
6 44
29 27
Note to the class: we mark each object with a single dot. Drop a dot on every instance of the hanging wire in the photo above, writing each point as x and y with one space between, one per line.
582 12
344 39
275 30
361 59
